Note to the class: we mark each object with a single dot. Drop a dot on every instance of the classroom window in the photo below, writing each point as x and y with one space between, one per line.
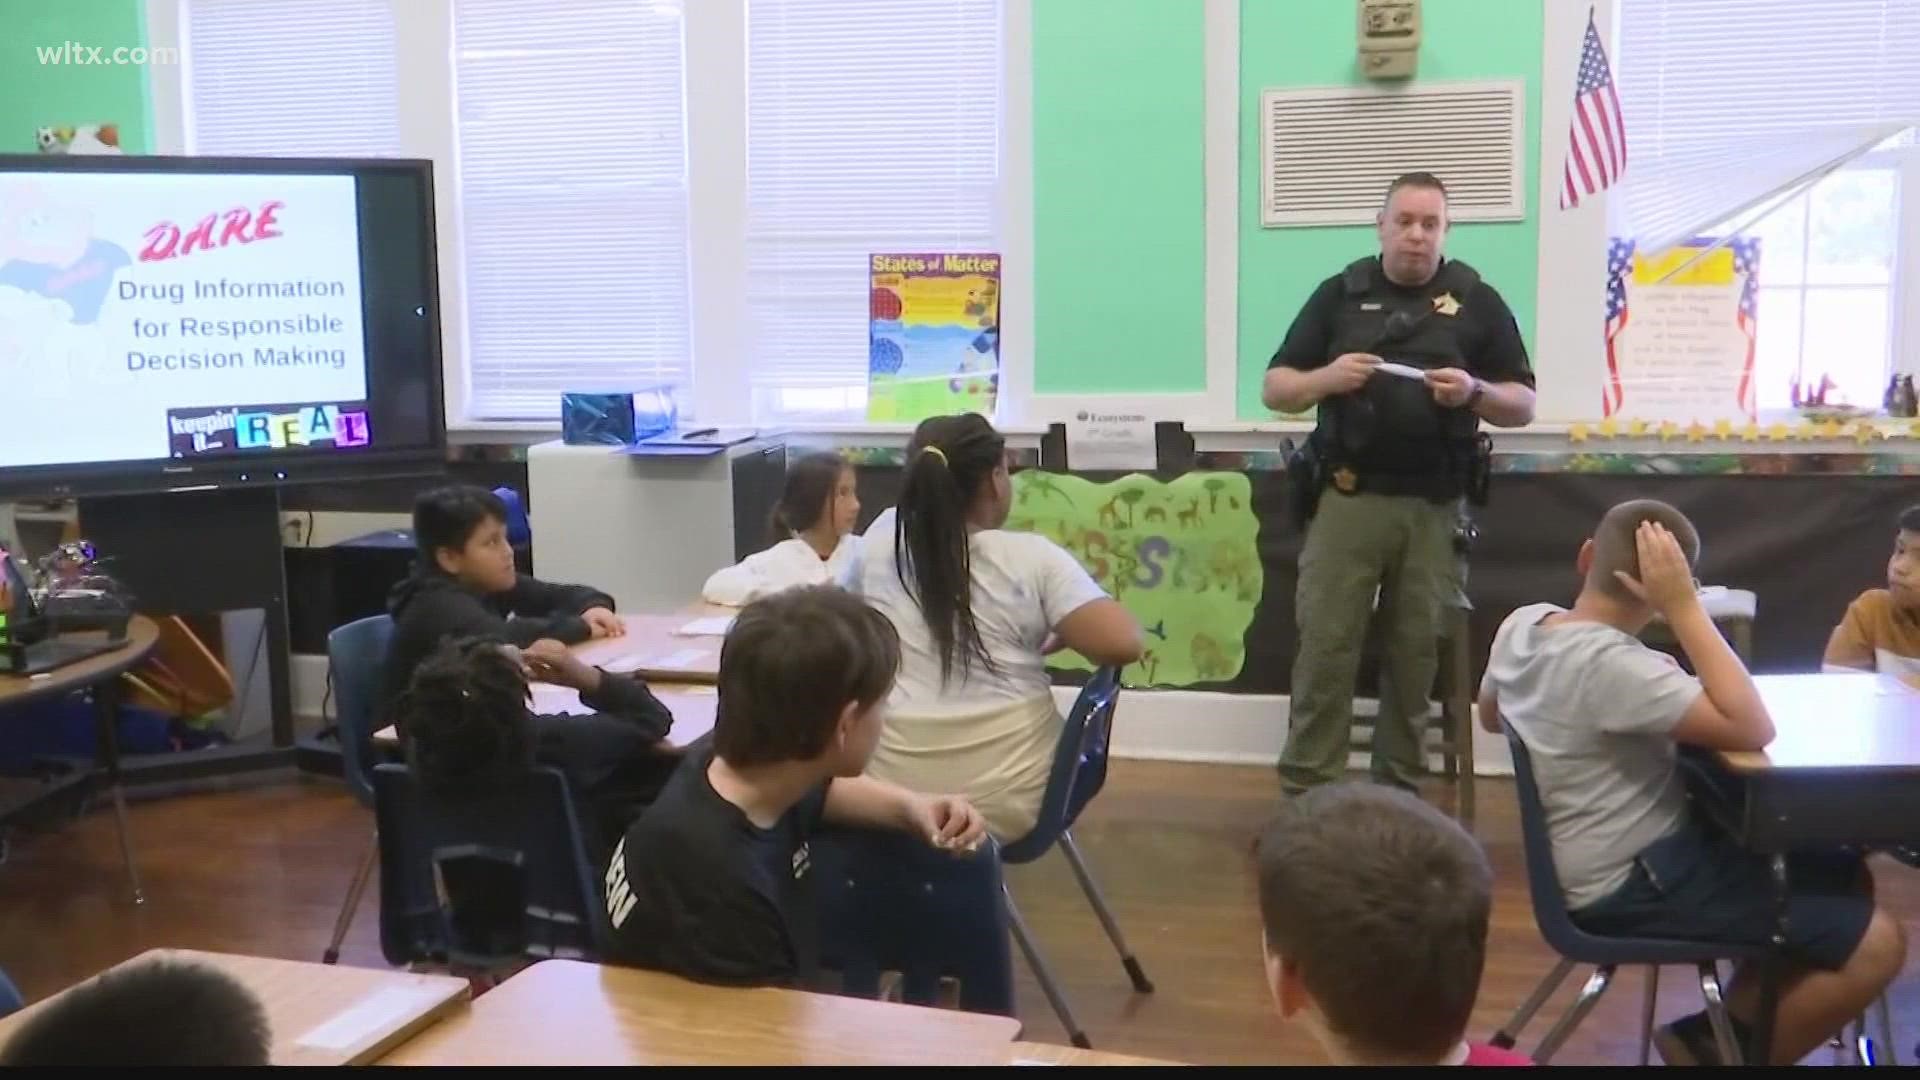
305 78
1729 105
872 126
570 135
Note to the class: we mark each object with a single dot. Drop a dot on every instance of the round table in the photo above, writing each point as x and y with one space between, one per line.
102 674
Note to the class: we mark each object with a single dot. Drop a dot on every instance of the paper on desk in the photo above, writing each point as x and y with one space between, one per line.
378 1012
673 661
711 626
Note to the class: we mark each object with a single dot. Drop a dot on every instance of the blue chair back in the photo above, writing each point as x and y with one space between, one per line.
1079 767
356 653
890 902
10 999
532 822
519 527
1549 902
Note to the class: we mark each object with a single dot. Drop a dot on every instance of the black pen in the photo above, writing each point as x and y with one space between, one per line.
700 433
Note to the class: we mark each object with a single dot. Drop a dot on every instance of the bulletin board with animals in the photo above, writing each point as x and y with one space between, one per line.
82 139
1181 555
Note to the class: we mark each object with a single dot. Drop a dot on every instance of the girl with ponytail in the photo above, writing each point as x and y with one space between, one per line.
812 532
972 710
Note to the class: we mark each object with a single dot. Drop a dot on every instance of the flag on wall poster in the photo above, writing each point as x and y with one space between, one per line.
933 341
1597 134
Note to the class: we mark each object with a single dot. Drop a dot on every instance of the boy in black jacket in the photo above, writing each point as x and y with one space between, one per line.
464 589
465 585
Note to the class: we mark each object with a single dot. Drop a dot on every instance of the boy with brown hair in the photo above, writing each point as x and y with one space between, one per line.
714 881
1602 716
1375 907
1881 630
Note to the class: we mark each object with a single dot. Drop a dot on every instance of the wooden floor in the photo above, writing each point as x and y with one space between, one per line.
262 870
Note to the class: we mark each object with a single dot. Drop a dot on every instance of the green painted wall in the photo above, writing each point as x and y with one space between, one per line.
34 93
1119 240
1289 43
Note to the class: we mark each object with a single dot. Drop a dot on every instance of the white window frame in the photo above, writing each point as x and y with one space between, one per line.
1903 283
716 161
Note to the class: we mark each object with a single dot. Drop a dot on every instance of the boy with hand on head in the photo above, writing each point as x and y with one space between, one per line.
714 883
1881 630
1602 716
465 585
1375 907
469 729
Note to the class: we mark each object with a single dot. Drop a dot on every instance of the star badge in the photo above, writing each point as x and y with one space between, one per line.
1445 304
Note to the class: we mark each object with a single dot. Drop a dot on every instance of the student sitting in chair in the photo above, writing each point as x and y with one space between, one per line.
1881 630
713 882
469 728
157 1013
813 523
1602 716
1375 908
977 608
465 585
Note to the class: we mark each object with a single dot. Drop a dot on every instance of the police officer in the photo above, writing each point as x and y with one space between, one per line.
1398 450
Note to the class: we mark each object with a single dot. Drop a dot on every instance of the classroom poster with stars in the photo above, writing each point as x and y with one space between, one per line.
1680 332
1183 556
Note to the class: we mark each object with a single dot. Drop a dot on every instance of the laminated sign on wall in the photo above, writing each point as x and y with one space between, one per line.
1680 331
933 339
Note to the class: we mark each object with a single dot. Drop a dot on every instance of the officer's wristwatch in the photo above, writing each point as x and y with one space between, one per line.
1473 397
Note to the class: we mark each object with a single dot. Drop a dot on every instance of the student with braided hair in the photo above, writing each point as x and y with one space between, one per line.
469 728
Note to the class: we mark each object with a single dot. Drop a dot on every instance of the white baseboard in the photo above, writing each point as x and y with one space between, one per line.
1151 725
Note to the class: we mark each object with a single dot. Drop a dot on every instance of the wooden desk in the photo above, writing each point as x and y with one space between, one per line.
563 1012
691 704
1843 769
319 1014
1028 1053
102 673
653 649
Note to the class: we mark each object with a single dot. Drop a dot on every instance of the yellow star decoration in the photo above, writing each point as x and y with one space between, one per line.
1723 428
1636 428
1668 429
1696 432
1778 432
1445 304
1913 430
1751 432
1828 430
1577 433
1609 427
1864 432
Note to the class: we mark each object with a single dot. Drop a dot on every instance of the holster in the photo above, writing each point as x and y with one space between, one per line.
1306 478
1479 472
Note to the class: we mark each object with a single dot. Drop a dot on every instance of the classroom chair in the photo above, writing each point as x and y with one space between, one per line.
1079 772
891 903
445 858
519 527
1606 954
355 654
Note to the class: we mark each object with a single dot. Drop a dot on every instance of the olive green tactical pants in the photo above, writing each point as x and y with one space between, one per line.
1400 548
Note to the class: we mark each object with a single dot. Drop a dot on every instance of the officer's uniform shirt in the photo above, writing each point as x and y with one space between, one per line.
1455 320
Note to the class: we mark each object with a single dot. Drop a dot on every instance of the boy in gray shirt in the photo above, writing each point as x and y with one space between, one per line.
1602 716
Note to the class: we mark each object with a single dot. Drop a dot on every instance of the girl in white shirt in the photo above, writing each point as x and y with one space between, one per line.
972 711
815 515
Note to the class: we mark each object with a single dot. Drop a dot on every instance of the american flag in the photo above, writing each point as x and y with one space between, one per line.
1597 135
1619 265
1746 263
